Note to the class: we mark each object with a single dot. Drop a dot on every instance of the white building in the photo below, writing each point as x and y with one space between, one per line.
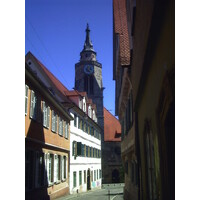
85 145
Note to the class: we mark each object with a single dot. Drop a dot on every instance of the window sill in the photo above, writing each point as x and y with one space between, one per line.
57 182
64 180
50 184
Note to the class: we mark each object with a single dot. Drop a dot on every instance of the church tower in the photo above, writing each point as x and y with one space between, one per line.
88 77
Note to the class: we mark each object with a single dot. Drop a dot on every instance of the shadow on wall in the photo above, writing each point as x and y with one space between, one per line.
36 181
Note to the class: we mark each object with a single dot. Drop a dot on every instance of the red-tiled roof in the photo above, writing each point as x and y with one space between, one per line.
121 27
112 127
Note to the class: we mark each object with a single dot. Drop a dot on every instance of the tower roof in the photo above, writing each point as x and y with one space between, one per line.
88 46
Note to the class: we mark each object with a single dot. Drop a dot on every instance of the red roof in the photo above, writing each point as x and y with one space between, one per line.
121 27
112 127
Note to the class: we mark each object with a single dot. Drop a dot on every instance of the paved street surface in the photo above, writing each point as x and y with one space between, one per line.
116 193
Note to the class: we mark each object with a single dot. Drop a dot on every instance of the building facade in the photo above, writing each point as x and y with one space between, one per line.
113 173
85 133
47 141
144 71
85 158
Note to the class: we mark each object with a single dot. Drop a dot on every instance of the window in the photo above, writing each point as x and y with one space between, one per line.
90 151
46 114
84 176
92 131
93 154
88 129
93 115
86 151
80 177
65 167
79 149
33 109
89 111
50 168
54 121
60 126
79 122
39 169
91 175
57 168
84 127
97 174
74 150
26 99
94 175
84 105
29 169
80 103
82 150
100 173
74 179
66 130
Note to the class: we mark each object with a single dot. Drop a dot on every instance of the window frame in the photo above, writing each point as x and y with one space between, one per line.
74 179
80 178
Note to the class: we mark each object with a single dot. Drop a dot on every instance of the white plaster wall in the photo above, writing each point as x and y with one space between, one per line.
83 163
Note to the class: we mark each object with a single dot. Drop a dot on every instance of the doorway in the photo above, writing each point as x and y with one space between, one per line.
88 180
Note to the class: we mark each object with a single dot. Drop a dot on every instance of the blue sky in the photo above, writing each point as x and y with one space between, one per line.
55 34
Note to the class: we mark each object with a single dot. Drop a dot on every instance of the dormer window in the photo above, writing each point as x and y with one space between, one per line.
84 105
80 103
89 111
93 115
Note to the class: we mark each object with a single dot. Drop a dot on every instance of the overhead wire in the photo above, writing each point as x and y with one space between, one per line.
47 52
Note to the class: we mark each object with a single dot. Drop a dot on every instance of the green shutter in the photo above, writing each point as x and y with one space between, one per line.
78 148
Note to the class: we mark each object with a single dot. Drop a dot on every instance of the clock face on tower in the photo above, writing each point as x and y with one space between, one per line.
89 69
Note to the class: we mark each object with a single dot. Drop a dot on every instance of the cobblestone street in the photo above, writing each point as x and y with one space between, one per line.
115 193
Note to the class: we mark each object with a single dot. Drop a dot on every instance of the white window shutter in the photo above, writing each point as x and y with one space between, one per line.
35 108
64 131
56 123
44 113
32 104
59 125
62 127
52 121
48 116
55 168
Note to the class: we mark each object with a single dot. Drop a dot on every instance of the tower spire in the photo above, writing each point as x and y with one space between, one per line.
88 44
